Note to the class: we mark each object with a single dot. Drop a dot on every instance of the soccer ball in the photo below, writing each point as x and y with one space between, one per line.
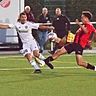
52 36
40 62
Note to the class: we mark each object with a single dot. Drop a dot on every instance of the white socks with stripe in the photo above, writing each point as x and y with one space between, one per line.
41 57
33 63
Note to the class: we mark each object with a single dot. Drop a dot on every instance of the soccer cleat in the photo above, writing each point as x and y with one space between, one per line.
40 62
37 71
48 64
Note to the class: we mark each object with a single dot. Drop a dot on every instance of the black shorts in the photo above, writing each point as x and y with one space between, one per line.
74 47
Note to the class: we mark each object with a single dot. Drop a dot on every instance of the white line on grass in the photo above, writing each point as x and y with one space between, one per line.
12 56
15 69
23 59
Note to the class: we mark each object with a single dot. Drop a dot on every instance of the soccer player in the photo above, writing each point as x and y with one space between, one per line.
30 49
81 39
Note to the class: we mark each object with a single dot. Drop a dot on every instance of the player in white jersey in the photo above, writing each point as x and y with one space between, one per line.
30 49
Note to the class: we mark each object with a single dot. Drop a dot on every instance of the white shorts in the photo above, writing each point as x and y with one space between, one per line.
29 47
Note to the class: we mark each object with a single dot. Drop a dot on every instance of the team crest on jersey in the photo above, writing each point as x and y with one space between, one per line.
26 27
19 27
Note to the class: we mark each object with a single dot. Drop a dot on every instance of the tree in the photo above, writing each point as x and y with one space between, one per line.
75 7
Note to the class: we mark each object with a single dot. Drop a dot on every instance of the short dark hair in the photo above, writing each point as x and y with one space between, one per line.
22 14
88 14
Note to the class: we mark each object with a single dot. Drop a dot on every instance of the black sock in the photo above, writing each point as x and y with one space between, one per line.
49 59
89 66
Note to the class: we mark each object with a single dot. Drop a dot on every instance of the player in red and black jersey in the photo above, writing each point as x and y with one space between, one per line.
81 40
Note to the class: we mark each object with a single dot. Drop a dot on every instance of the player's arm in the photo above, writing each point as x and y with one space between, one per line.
5 26
46 27
41 26
45 24
81 26
67 24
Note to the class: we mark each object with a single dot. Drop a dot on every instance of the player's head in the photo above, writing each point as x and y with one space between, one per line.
44 10
27 9
86 16
58 11
22 17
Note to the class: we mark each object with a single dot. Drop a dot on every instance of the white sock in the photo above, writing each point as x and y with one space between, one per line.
95 68
41 57
33 63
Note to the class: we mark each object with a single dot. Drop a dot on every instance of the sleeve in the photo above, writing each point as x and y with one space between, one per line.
91 28
67 22
15 26
34 25
94 30
11 26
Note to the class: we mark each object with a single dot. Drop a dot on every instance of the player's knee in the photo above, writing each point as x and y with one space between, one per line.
36 54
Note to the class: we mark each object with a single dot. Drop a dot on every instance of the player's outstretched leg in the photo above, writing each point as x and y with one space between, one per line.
43 62
81 62
55 56
48 63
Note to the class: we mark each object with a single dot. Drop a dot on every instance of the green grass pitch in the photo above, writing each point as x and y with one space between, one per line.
67 79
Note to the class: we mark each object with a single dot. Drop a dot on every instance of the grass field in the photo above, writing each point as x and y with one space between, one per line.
67 79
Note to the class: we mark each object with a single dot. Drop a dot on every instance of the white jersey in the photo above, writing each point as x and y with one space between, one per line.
25 31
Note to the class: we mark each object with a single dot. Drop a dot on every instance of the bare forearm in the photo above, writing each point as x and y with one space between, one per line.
46 27
43 27
45 24
3 26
